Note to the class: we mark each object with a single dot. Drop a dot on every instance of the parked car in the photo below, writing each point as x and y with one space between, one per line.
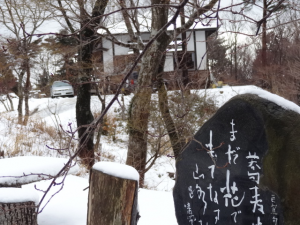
61 88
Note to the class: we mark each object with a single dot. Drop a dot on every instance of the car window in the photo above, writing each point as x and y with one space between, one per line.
60 84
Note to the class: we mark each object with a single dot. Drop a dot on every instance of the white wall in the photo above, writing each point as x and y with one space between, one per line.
119 50
169 63
145 36
200 50
108 56
190 44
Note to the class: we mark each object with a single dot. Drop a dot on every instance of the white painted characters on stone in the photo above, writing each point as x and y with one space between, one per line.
215 199
253 161
228 195
191 192
258 221
254 156
274 210
191 218
234 215
253 165
256 202
210 146
230 153
212 168
232 132
217 217
275 220
196 174
201 195
254 176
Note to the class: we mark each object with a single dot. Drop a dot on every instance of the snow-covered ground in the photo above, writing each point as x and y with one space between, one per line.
69 206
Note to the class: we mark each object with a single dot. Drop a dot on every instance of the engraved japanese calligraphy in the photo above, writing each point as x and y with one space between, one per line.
219 174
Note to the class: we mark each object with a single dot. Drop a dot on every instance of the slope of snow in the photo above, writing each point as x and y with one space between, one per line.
67 207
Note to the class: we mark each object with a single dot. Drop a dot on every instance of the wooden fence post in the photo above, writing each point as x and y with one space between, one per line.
18 206
113 195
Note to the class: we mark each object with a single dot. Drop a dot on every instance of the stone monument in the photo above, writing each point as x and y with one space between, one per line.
242 167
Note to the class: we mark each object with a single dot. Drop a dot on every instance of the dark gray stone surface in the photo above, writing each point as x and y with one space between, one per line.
240 166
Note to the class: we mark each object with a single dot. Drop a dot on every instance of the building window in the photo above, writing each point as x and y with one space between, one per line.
190 60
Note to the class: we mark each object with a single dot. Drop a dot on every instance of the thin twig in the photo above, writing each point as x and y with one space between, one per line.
209 152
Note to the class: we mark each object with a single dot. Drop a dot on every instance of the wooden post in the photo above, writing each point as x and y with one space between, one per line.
18 206
112 195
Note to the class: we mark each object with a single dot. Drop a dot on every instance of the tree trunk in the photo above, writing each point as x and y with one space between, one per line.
20 106
264 37
26 116
23 213
111 200
11 103
21 96
185 72
138 125
167 118
140 105
26 92
235 59
3 103
84 116
103 105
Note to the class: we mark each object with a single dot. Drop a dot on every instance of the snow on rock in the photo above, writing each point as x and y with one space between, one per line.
117 170
17 195
17 170
284 103
224 94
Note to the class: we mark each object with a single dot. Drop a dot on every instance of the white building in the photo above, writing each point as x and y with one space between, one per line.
115 55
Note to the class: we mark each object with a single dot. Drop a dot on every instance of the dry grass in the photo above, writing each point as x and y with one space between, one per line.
32 139
41 126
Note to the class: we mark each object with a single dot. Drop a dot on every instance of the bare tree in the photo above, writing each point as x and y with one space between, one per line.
268 8
7 80
22 19
149 69
151 61
220 64
88 17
